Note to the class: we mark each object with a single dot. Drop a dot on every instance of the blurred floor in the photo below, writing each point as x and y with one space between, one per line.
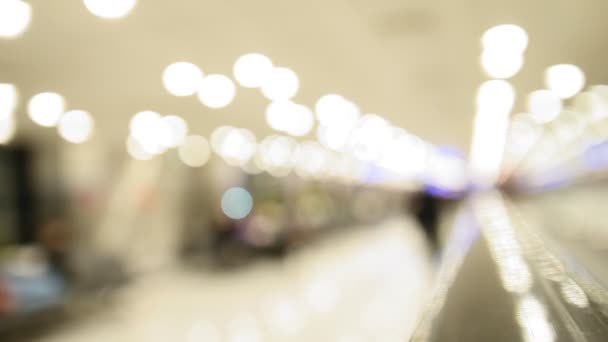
363 285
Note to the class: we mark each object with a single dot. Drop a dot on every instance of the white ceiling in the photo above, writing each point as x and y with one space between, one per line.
414 62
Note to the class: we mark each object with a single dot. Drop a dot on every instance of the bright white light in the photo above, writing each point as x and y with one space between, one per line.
276 154
333 137
302 121
151 132
136 151
110 9
76 126
334 110
218 137
8 128
280 84
498 64
182 78
195 151
566 80
8 100
289 117
495 96
406 155
237 203
251 69
216 91
15 17
507 38
494 103
371 136
178 128
45 109
278 114
237 146
311 159
544 105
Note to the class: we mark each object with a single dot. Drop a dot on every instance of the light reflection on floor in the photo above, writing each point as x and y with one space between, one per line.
367 285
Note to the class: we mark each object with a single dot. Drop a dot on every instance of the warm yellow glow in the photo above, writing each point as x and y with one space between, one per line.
8 128
195 151
251 69
280 84
544 105
8 100
566 80
76 126
110 9
15 17
182 78
178 128
507 38
498 64
45 109
216 91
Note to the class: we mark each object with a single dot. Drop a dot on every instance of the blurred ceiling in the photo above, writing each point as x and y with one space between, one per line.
414 62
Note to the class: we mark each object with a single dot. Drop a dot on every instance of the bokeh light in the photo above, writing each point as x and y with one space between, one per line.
251 69
194 151
566 80
496 96
237 203
498 64
15 17
371 136
76 126
311 159
508 38
151 132
276 155
236 146
136 150
280 84
8 100
182 78
178 128
289 117
334 137
216 91
334 110
110 9
8 128
544 105
45 109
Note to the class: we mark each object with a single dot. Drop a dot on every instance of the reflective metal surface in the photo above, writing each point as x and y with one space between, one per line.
536 273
